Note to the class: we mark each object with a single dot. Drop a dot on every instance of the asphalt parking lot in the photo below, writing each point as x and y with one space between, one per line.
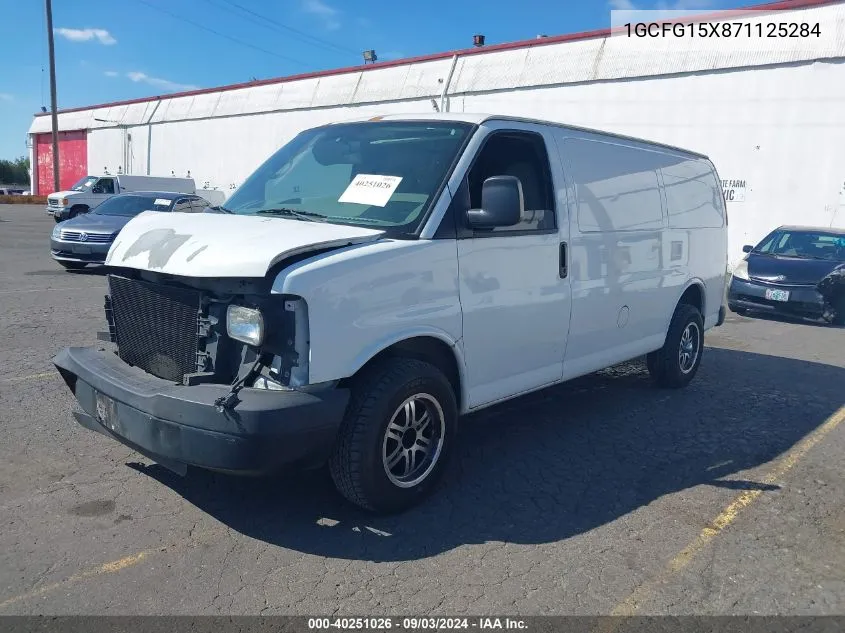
604 495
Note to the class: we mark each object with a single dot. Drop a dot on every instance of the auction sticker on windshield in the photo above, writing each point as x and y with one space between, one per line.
370 189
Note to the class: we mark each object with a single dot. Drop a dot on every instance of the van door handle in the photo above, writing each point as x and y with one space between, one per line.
563 268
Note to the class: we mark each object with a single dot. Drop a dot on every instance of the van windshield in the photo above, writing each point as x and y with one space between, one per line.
84 184
382 174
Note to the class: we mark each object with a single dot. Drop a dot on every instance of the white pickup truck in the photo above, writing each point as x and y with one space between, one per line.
374 280
90 191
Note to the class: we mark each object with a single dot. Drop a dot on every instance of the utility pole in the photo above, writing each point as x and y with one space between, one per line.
55 115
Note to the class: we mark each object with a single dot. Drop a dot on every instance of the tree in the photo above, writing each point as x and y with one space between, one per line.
14 172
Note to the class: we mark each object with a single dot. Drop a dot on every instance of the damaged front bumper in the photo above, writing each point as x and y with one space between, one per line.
178 426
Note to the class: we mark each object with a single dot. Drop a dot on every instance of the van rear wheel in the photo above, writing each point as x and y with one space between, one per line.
397 436
676 363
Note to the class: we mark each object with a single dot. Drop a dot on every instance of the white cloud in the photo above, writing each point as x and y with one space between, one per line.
157 82
111 73
5 96
86 35
328 14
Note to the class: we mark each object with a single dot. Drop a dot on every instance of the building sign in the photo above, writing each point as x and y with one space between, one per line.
734 190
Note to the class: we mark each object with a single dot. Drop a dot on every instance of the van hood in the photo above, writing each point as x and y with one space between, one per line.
61 194
221 245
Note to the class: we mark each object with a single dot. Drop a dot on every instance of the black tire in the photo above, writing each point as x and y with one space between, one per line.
665 365
358 463
74 265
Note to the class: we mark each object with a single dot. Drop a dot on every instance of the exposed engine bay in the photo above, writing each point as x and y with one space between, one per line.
175 328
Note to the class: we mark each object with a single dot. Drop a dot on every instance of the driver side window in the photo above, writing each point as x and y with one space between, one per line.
523 155
104 185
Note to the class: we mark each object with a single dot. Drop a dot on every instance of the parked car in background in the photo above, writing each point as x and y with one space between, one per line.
13 191
91 191
86 239
782 273
373 280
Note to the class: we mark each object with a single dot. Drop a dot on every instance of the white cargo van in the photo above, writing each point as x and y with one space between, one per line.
374 280
90 191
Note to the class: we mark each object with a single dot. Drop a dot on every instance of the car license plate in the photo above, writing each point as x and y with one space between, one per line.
777 295
82 250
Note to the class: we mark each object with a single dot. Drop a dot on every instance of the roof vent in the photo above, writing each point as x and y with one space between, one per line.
478 40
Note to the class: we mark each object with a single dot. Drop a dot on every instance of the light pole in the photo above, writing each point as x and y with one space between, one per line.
55 115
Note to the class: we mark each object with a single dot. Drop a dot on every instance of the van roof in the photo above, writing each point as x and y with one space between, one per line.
481 118
158 194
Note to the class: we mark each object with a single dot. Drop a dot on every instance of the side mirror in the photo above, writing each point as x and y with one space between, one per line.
747 248
502 203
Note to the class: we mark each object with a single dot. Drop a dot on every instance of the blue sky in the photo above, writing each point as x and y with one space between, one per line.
107 51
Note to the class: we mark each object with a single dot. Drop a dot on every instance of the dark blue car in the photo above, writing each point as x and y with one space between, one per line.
86 239
793 271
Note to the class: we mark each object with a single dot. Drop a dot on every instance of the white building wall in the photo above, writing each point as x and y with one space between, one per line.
780 129
769 113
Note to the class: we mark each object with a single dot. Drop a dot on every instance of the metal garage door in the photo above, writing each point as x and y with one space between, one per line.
73 159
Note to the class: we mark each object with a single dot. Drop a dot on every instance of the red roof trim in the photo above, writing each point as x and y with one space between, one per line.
781 5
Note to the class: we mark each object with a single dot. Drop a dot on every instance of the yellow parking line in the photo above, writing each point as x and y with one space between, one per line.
107 568
724 519
46 374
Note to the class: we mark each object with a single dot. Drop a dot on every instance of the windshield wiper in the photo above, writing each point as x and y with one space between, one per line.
293 213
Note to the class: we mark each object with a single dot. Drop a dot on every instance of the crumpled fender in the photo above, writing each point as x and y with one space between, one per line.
832 286
832 290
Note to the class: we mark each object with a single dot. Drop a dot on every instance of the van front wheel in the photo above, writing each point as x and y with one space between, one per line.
676 363
396 437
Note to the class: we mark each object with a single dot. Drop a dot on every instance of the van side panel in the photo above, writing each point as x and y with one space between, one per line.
129 182
622 288
697 222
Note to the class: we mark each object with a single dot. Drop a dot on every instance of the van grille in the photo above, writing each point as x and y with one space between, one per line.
156 326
